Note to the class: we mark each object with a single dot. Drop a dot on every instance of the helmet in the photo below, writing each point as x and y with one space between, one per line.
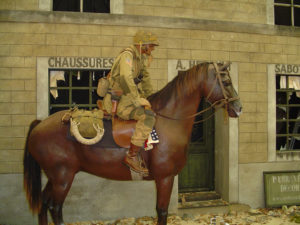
144 38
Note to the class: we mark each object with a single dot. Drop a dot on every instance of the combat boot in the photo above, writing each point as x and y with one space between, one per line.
132 160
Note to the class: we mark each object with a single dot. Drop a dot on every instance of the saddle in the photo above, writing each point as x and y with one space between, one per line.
122 130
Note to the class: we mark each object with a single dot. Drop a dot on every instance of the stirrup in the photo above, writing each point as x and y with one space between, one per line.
142 161
142 164
144 174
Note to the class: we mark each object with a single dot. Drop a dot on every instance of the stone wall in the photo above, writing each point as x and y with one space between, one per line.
254 11
229 10
19 4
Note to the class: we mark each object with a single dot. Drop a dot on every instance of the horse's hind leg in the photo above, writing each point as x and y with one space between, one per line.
60 187
56 214
43 219
164 189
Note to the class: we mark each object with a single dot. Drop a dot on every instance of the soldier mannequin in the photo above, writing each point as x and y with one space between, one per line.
130 75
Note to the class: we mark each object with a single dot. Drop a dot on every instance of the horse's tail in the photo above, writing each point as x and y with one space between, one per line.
32 175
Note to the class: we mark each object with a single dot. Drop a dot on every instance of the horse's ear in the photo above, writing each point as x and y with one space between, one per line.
224 66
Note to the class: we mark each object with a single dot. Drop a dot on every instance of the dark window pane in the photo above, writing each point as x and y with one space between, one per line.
293 127
294 99
62 96
297 17
62 83
66 5
98 6
281 143
80 79
281 113
95 97
294 143
282 15
294 112
296 2
281 98
283 1
80 96
281 128
66 82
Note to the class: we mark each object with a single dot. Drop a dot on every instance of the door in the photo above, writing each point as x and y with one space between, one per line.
198 173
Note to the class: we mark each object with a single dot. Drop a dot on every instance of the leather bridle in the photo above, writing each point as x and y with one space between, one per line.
216 105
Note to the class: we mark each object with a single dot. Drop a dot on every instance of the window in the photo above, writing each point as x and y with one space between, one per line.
287 112
66 5
69 88
97 6
287 12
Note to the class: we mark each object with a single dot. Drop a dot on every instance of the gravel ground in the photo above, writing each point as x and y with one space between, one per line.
284 216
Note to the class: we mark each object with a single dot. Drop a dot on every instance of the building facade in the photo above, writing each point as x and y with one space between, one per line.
35 40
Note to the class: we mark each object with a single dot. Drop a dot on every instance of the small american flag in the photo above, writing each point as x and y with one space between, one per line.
152 139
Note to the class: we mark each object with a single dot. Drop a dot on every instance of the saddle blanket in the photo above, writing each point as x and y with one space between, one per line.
108 142
152 139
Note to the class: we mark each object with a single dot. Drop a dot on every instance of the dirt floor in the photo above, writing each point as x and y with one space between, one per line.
230 215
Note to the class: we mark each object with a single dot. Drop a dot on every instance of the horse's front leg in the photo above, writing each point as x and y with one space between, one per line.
164 189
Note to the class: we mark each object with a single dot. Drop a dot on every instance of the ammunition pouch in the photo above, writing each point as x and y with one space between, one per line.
103 85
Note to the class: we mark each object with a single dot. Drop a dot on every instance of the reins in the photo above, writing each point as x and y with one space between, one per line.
216 105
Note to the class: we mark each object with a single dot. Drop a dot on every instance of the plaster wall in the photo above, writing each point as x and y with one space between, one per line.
251 187
90 198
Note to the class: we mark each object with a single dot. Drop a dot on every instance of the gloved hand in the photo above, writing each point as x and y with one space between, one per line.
144 102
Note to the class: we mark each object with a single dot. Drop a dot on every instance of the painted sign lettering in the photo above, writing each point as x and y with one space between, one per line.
287 69
80 62
282 188
186 64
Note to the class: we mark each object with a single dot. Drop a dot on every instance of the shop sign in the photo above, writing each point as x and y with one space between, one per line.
80 62
282 188
287 69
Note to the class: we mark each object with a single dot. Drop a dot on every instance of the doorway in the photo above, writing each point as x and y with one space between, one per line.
198 173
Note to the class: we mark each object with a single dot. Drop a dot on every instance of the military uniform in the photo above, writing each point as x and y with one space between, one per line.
129 75
129 67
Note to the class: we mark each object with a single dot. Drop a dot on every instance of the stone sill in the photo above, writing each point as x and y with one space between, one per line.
145 21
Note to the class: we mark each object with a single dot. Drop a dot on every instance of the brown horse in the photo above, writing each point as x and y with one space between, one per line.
176 105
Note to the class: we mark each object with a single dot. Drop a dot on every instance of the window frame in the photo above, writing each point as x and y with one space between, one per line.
288 119
274 155
81 7
43 85
116 6
70 88
291 6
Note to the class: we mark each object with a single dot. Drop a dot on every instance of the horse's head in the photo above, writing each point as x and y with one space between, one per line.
219 89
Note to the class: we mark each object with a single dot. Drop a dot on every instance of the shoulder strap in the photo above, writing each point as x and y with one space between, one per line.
129 50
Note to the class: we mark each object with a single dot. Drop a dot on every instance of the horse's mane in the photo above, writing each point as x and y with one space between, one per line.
184 84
